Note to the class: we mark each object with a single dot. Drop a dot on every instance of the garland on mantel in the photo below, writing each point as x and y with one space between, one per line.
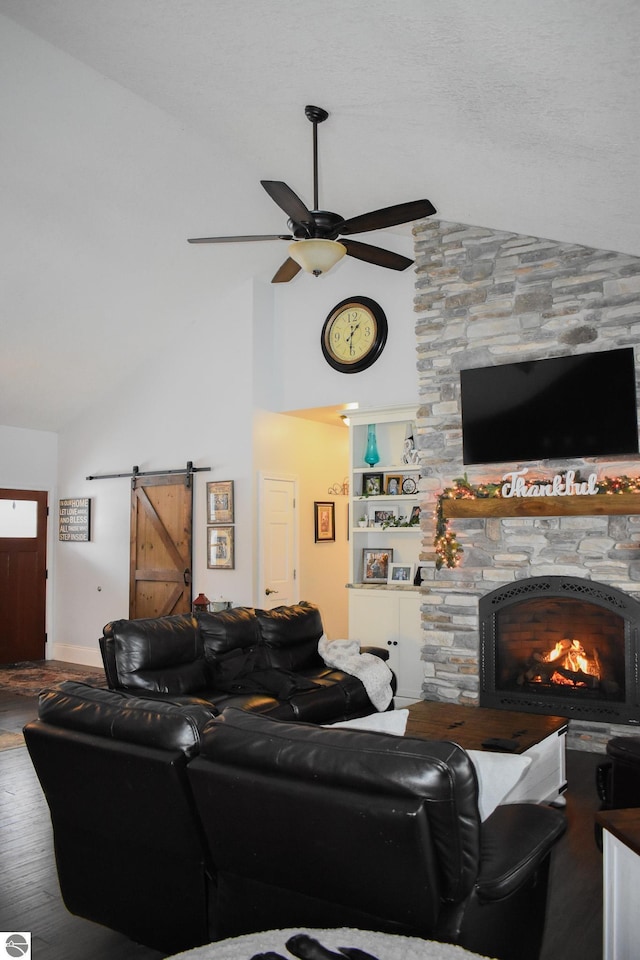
448 548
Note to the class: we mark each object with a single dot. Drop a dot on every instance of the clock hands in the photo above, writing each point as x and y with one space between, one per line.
349 339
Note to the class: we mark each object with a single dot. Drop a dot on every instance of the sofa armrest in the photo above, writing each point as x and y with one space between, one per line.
515 840
379 652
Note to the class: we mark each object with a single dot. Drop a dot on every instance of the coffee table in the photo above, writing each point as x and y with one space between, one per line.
540 737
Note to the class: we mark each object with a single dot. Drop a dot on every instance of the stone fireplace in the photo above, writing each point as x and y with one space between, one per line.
561 645
485 297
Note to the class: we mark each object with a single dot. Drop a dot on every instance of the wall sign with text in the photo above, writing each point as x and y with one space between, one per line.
74 519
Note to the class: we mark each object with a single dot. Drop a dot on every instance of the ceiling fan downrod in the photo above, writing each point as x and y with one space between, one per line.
316 115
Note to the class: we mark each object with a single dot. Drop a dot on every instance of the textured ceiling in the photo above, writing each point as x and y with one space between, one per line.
513 114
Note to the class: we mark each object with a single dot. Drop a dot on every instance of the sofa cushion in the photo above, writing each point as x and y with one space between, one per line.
119 716
291 634
163 654
231 643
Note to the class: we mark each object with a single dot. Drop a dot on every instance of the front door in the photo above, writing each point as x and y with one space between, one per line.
23 574
277 583
161 523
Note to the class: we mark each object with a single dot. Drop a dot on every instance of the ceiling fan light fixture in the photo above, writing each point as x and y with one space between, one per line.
316 256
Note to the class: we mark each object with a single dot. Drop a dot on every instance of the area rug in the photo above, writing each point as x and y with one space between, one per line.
10 740
27 679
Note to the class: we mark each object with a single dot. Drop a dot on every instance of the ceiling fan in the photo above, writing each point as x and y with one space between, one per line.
315 247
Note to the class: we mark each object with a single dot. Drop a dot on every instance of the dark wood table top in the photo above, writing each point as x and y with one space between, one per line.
470 726
623 824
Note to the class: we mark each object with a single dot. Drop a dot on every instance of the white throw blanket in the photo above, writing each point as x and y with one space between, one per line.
371 670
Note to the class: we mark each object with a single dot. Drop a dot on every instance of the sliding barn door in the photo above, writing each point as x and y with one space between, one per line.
161 521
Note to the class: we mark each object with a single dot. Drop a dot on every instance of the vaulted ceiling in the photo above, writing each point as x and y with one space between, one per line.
130 125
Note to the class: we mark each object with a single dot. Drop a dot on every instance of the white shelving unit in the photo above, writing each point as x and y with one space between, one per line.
386 614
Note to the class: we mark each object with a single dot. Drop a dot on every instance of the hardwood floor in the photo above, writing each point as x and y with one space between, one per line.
30 898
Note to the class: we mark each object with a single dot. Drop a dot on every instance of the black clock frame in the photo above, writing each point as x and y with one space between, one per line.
378 344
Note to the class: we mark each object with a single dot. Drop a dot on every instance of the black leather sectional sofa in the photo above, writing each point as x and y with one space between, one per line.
176 827
265 661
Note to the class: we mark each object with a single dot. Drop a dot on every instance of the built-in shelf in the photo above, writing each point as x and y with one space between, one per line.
619 504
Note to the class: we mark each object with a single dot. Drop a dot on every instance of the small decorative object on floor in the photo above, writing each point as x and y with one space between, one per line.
371 455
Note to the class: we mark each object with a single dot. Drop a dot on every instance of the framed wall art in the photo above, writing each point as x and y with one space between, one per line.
375 564
220 501
220 548
325 521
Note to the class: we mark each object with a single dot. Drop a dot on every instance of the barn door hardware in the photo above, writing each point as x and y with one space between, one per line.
136 472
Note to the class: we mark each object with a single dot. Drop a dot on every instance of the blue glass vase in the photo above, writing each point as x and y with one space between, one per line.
371 456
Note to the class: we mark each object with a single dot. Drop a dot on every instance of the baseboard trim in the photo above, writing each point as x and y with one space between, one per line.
70 653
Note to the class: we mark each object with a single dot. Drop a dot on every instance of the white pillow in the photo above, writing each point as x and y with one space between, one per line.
390 721
497 775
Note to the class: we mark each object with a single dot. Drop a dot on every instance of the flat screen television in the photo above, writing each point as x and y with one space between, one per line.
562 407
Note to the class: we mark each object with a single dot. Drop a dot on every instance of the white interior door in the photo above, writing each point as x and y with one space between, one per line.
277 545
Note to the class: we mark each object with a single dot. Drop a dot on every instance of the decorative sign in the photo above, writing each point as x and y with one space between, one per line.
74 519
562 485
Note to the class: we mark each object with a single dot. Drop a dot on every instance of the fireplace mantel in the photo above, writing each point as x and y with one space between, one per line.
620 504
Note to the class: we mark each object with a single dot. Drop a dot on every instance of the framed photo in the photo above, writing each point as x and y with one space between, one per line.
220 501
401 573
375 564
220 548
325 520
385 515
415 514
372 484
393 484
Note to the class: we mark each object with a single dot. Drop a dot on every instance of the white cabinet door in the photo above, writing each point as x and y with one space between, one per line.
391 619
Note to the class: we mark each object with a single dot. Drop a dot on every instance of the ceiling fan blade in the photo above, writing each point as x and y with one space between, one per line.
288 201
287 271
245 239
388 217
382 258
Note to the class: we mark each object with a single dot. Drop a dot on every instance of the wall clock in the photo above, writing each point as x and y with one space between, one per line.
354 334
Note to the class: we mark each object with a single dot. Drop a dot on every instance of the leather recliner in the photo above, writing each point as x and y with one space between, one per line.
129 848
317 827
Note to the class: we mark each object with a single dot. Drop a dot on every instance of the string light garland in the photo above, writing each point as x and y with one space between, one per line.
447 547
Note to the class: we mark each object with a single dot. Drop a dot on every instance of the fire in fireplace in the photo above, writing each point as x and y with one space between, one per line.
561 645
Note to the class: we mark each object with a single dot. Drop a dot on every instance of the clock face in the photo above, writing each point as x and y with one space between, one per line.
354 335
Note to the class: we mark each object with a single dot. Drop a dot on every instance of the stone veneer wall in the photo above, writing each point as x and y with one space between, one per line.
485 297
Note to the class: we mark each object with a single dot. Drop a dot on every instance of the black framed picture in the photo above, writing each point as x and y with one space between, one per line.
325 520
372 484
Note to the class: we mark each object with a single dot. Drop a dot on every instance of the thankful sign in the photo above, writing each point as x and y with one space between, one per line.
562 485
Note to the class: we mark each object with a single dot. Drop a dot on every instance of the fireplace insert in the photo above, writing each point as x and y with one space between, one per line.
561 645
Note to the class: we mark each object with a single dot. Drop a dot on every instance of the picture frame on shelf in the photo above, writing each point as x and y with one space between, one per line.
220 501
385 514
324 512
401 573
409 485
372 484
375 564
220 548
415 514
393 484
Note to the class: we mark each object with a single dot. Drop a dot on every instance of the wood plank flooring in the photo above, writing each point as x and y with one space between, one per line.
30 898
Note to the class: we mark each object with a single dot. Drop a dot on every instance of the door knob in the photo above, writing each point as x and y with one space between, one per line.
269 591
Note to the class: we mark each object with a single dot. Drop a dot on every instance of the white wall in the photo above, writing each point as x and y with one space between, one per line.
192 402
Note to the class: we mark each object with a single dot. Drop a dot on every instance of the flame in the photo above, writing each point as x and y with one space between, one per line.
570 655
